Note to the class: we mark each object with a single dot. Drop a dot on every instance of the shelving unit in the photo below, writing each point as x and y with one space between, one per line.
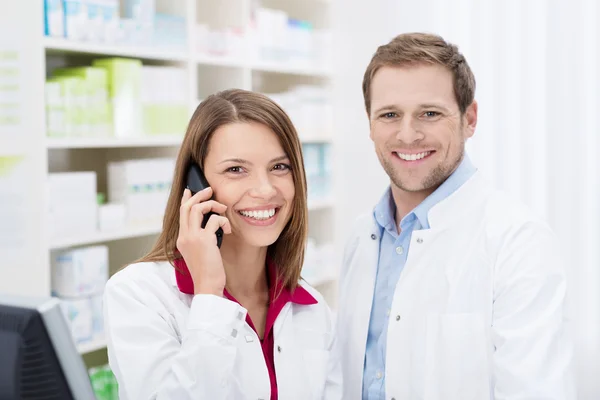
27 272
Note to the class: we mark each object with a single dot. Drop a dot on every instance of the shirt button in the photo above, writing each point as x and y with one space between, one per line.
387 313
379 375
399 250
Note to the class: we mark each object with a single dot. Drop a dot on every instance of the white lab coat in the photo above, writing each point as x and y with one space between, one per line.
165 344
477 313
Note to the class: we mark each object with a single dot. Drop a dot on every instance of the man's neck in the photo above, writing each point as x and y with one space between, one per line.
407 201
245 268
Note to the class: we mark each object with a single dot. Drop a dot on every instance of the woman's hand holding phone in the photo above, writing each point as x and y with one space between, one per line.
198 245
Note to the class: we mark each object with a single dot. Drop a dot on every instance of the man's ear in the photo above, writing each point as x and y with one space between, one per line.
470 120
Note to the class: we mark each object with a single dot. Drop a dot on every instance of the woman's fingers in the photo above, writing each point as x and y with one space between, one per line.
217 221
187 202
183 219
199 210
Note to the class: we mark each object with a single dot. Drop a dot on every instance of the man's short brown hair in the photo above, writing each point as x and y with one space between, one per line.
423 48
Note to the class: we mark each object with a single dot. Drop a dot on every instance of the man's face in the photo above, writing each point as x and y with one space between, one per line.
416 125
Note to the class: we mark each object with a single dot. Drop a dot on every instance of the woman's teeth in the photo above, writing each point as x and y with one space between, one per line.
413 157
262 214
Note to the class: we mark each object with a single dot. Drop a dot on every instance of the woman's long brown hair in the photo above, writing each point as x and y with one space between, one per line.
231 106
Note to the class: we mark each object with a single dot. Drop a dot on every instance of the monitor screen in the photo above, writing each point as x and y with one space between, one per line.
39 359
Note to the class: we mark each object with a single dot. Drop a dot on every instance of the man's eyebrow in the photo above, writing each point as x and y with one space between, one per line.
421 106
434 105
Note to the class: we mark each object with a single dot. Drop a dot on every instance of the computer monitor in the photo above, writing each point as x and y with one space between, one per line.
38 357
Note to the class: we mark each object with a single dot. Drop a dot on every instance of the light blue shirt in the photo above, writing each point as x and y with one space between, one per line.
393 251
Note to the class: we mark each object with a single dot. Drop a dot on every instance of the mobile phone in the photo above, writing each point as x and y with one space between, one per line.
196 181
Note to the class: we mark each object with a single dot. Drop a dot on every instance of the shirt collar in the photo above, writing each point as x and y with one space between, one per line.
385 210
298 296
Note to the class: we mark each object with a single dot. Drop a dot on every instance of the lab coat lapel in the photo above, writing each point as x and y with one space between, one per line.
358 301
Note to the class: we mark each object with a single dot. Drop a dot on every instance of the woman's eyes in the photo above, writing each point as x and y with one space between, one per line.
282 167
277 167
235 170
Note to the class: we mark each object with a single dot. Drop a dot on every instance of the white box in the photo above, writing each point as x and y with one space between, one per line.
76 19
72 207
78 313
142 186
111 216
54 18
79 272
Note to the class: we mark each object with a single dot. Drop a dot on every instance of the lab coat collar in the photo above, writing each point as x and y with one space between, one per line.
458 205
184 282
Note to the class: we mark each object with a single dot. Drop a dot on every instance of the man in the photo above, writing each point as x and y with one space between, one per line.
449 288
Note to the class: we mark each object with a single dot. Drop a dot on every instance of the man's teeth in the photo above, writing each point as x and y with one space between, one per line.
413 157
262 214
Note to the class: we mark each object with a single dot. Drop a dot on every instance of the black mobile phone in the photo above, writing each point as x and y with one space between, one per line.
196 181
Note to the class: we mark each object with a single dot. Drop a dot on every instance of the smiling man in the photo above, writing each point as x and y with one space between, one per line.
449 289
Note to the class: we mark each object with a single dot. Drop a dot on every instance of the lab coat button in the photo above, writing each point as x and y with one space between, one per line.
399 250
373 236
397 318
419 240
279 349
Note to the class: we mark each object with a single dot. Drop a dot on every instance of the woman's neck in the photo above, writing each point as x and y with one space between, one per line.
245 268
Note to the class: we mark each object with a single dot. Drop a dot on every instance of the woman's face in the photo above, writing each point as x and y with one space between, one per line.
251 174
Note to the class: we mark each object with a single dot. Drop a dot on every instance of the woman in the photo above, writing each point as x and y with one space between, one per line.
191 320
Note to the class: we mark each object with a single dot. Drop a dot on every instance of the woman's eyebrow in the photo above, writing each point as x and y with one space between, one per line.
246 162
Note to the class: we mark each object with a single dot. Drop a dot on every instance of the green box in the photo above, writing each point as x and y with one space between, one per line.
72 93
96 112
165 119
104 383
124 92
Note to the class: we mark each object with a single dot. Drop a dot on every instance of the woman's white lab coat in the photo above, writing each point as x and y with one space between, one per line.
478 311
165 344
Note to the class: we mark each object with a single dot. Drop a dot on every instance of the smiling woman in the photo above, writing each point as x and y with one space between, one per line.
212 316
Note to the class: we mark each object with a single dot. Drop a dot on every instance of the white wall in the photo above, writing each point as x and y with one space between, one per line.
537 64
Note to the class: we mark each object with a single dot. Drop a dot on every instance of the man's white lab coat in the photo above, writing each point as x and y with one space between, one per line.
478 311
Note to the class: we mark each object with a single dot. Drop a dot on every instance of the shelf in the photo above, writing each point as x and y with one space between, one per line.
261 66
291 69
90 347
317 139
58 45
205 59
111 142
98 237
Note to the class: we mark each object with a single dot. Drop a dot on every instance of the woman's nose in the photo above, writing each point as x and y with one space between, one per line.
263 188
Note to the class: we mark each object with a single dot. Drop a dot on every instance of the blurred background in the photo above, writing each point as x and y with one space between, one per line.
95 96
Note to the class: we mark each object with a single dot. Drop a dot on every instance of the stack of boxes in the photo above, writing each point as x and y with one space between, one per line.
77 102
138 191
78 277
116 97
125 22
142 186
